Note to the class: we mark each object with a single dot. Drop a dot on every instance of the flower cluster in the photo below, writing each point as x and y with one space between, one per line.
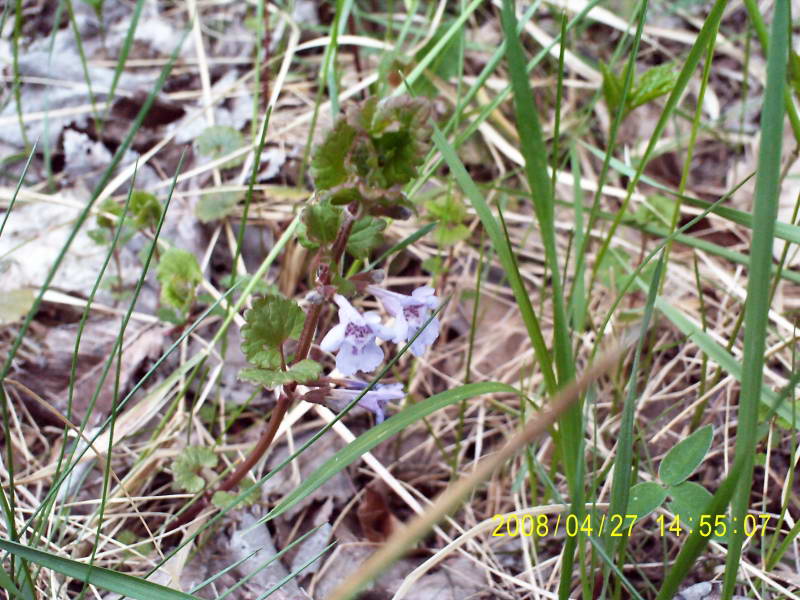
361 171
355 337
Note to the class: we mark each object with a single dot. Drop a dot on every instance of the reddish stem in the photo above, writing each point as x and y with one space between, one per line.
243 468
284 400
264 442
307 336
341 241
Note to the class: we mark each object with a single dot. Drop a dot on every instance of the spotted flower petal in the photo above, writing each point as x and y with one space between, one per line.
410 314
354 339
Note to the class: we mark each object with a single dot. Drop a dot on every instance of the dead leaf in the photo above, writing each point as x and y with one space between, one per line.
375 516
48 375
707 590
15 304
254 541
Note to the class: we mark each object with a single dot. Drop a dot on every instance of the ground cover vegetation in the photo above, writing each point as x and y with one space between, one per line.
471 299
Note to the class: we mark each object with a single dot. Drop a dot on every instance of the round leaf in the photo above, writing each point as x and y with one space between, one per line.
15 304
218 141
216 205
644 498
685 457
270 322
689 501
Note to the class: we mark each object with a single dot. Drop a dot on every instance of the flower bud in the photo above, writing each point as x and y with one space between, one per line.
314 297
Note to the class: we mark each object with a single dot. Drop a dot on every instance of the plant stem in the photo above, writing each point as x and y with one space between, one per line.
341 241
244 467
263 444
275 420
309 328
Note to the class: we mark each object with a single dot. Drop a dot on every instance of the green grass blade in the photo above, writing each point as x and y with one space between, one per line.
504 254
17 83
248 197
20 181
275 557
534 150
7 584
222 572
402 244
578 302
497 100
296 572
623 461
84 63
717 353
380 433
704 37
456 26
757 21
116 352
328 65
607 156
127 44
756 318
7 503
785 231
127 585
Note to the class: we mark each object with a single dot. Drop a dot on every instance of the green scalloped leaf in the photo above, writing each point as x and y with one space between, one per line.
322 222
112 207
216 205
400 133
270 322
449 212
189 462
219 140
145 208
179 275
328 162
304 371
367 234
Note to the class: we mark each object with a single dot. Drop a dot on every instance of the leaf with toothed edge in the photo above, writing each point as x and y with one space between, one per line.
304 371
269 323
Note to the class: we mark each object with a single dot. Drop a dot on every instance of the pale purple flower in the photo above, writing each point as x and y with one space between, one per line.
354 338
374 400
410 314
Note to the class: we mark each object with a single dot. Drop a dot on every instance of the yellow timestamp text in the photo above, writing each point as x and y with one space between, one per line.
618 525
713 525
543 525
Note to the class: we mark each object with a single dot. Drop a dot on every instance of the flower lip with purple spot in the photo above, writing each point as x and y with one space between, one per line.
354 339
410 314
